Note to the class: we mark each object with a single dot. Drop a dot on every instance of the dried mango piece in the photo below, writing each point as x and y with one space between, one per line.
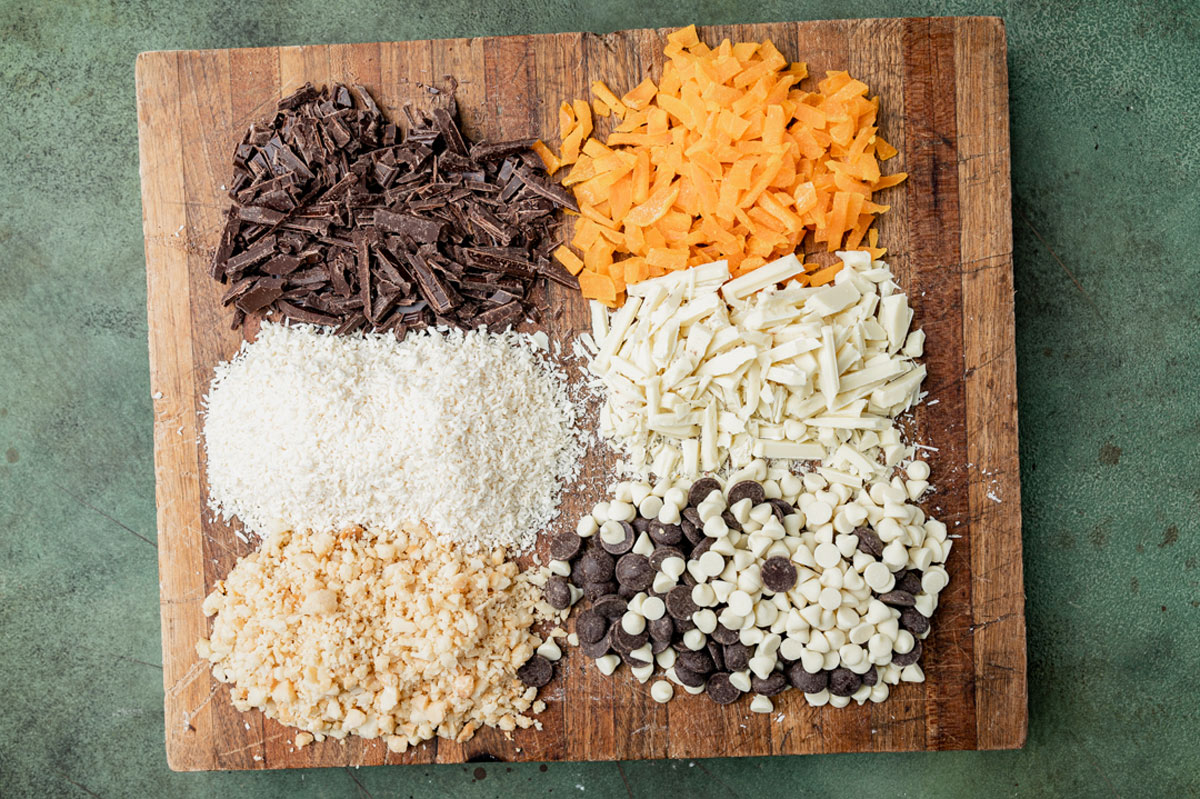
655 207
725 157
568 259
548 157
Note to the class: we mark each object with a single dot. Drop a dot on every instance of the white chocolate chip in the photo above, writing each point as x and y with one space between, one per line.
703 595
549 650
761 704
674 567
653 608
705 621
608 664
633 623
712 563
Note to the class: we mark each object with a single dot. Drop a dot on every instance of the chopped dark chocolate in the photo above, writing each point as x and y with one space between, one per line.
330 202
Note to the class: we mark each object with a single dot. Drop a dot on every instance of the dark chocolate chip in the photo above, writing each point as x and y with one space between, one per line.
805 681
912 620
724 635
737 656
623 641
683 626
634 571
910 582
697 661
746 488
721 690
662 553
610 606
665 534
565 546
658 645
898 599
641 525
869 541
908 658
661 629
691 532
692 515
598 648
781 508
627 592
537 671
679 603
590 626
773 683
596 566
624 545
692 679
701 548
731 521
632 661
843 682
593 591
717 652
870 676
558 593
778 574
701 489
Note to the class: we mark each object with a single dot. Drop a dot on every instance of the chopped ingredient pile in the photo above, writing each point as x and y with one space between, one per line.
725 158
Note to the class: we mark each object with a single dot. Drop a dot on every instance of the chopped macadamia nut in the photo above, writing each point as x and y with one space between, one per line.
377 634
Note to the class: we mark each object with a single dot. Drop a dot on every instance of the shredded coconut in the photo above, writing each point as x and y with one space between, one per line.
472 433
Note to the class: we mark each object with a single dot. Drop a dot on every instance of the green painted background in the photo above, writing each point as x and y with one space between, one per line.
1106 166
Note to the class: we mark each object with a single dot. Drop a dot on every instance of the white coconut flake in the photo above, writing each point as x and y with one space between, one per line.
472 433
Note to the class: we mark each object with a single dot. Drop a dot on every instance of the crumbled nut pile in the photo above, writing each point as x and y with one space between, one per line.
376 634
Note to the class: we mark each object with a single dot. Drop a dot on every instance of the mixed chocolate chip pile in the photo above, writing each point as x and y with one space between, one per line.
753 588
342 218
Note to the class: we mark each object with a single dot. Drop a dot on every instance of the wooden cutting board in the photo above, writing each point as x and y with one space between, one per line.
944 103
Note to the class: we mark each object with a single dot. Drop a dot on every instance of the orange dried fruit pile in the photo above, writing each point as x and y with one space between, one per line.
725 158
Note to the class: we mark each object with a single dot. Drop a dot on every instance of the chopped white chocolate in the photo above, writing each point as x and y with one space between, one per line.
705 373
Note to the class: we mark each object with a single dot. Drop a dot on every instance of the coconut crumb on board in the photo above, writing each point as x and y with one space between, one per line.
375 633
473 432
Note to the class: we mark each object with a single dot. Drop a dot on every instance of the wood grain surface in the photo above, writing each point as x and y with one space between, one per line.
944 103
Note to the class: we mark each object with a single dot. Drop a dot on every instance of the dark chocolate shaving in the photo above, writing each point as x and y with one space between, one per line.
339 219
